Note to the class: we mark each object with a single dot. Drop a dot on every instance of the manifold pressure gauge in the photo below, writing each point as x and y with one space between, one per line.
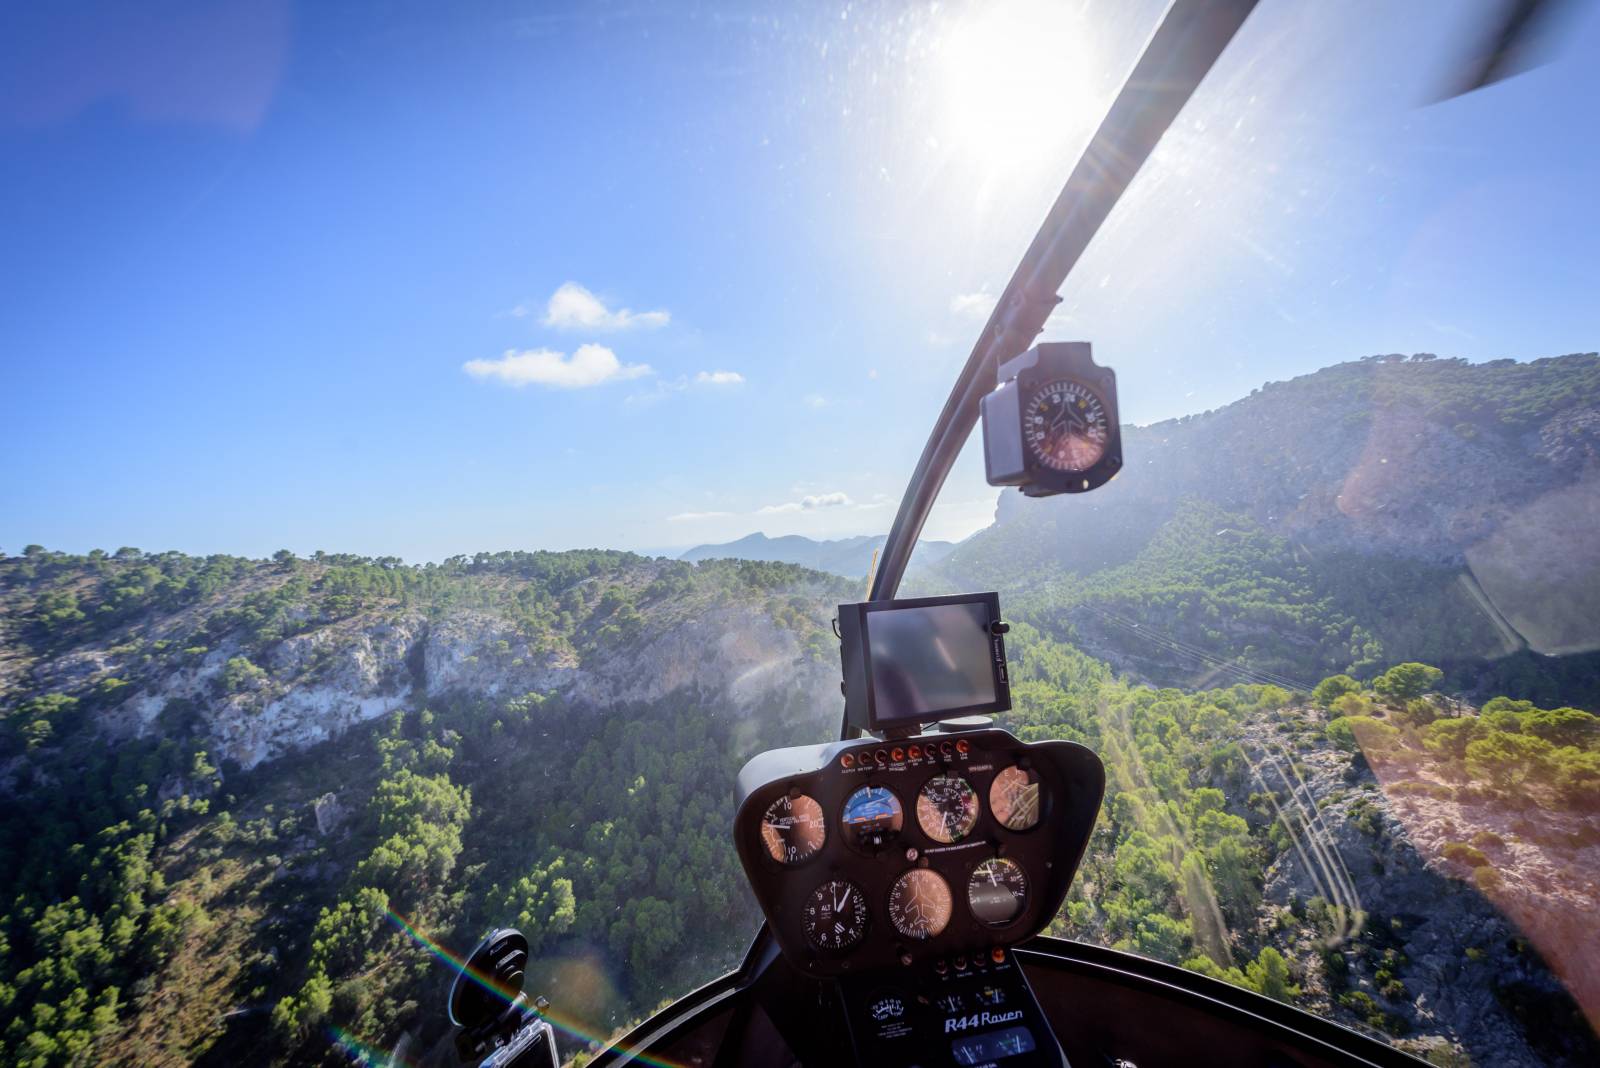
1050 426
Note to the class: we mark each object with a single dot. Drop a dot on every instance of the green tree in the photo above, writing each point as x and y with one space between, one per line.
1362 732
1351 704
1269 974
240 674
1507 760
1562 726
1332 688
1405 681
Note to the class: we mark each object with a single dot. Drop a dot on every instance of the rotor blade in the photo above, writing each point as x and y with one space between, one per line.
1184 47
1509 45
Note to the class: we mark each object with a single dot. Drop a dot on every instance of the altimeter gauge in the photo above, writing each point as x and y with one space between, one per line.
793 829
835 916
920 903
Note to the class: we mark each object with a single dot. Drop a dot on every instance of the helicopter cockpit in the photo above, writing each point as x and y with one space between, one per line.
755 621
907 871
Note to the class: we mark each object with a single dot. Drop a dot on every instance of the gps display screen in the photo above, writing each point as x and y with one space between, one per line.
930 659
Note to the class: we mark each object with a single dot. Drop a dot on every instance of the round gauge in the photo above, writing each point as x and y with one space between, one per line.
1014 798
835 916
997 892
919 904
872 818
947 808
1065 426
793 829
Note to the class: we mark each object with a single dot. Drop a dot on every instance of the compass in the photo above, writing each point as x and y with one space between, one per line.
1051 424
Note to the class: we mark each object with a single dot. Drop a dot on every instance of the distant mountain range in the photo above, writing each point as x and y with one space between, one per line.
849 557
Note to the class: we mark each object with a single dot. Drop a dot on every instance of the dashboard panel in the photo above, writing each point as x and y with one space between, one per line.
938 849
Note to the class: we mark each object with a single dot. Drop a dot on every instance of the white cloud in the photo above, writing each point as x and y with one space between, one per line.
719 378
976 306
814 400
591 365
573 307
808 503
690 517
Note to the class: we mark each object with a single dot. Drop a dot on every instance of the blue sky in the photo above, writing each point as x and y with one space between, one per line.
425 279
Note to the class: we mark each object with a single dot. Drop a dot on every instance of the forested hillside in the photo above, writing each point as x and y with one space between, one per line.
168 904
254 805
1373 512
222 775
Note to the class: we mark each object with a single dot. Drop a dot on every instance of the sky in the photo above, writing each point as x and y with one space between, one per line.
417 280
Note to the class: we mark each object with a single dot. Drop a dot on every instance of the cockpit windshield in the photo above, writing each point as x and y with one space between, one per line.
506 399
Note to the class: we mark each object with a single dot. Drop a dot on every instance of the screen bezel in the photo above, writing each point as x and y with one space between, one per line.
1002 686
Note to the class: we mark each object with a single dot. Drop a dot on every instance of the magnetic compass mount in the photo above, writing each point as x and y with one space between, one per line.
1051 426
491 980
499 1026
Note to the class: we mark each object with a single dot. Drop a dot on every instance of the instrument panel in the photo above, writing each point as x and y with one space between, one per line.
868 854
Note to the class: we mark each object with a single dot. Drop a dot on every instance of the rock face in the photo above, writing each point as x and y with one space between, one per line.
1418 458
329 813
1381 511
1376 854
317 684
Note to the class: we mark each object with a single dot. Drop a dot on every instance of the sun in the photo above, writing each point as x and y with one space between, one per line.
1013 76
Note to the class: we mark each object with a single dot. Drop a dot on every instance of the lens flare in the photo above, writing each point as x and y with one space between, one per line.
567 1025
360 1052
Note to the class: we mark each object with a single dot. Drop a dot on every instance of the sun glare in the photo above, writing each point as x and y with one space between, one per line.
1014 76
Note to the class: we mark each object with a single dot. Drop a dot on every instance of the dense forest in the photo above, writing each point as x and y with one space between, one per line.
166 904
145 875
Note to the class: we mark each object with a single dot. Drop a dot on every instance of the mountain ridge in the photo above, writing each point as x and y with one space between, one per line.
847 557
1426 509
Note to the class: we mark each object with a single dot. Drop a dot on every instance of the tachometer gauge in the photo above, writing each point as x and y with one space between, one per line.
997 892
835 916
947 808
872 818
1014 798
919 904
793 829
1065 426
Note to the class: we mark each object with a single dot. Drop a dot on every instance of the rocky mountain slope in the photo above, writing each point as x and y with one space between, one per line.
1388 509
1376 872
263 659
